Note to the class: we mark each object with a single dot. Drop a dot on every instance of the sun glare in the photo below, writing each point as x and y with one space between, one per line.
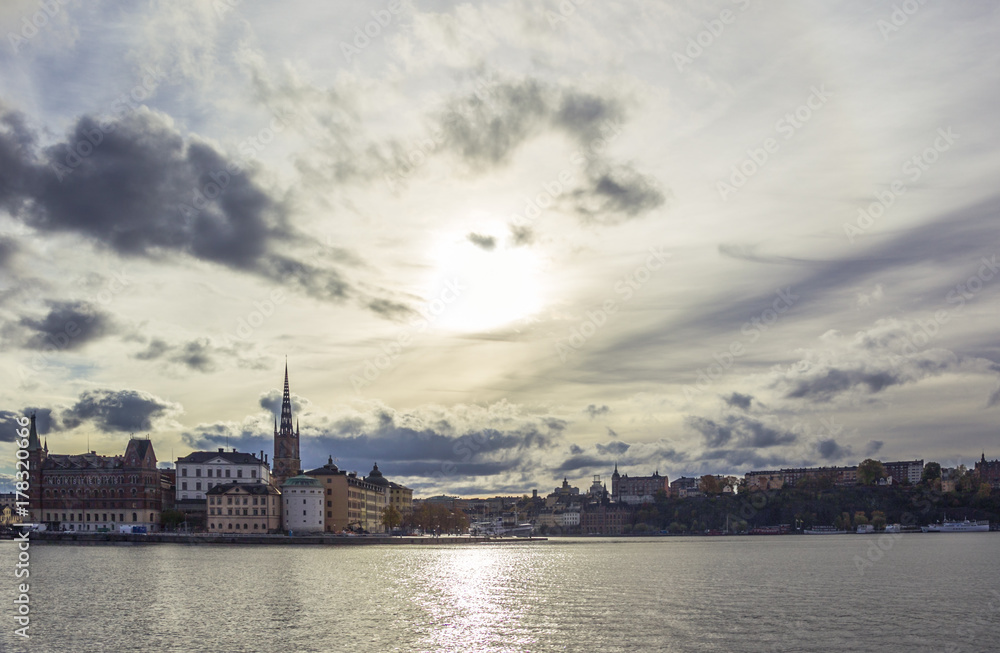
485 286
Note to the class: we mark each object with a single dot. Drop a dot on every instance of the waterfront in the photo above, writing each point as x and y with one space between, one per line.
789 593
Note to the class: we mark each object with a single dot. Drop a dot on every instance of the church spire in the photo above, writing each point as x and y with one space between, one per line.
33 442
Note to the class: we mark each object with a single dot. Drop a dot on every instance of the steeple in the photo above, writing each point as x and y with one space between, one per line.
33 443
286 440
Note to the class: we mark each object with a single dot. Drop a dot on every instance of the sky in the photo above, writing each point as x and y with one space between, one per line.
503 243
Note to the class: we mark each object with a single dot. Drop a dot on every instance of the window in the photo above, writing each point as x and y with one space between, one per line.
197 485
135 517
329 491
255 526
246 526
210 473
253 473
239 473
255 501
245 511
197 471
184 471
329 504
229 511
329 513
303 502
227 473
184 485
121 516
303 513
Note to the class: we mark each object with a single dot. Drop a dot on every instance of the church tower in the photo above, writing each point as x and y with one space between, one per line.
286 441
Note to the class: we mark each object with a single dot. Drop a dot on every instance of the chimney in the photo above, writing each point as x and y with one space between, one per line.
221 450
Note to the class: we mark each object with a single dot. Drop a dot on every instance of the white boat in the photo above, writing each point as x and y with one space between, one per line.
893 528
497 529
964 526
864 529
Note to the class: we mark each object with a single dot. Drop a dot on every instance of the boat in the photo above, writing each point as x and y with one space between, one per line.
824 530
893 528
497 529
864 529
964 526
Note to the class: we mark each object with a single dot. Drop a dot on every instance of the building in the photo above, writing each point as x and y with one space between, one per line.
685 486
400 498
302 504
988 471
604 519
352 503
91 492
637 489
775 480
286 441
243 508
908 471
200 471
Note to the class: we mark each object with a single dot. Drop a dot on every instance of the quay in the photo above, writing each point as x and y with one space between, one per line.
97 539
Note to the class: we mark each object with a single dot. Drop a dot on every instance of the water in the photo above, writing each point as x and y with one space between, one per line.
790 593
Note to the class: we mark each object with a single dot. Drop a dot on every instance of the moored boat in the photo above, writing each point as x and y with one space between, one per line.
964 526
824 530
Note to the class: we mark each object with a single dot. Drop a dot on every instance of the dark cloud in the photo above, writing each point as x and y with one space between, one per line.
9 424
575 463
487 243
612 432
118 410
9 248
596 411
68 325
873 447
154 350
575 449
613 448
615 194
271 402
145 190
740 430
830 450
737 400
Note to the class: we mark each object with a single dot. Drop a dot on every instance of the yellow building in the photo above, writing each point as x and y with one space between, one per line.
243 508
400 498
351 503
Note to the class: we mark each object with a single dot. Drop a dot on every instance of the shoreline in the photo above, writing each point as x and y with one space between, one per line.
98 539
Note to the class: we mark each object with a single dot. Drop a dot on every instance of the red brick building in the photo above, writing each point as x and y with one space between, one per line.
88 492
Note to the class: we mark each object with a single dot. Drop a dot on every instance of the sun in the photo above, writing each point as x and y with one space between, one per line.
483 285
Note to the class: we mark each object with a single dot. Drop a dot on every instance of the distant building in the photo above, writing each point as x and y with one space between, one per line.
200 471
90 492
685 486
908 471
302 504
989 471
637 489
350 502
604 519
765 480
774 480
244 508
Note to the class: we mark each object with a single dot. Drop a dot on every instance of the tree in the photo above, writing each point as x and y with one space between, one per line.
932 471
391 518
870 471
709 484
878 520
984 491
860 519
843 523
171 519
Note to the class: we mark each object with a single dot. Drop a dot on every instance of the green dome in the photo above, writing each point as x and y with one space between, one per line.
302 481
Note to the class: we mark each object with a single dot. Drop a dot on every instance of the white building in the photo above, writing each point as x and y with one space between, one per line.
302 505
568 518
200 471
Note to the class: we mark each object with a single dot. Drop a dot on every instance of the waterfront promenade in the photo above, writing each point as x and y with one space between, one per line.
318 539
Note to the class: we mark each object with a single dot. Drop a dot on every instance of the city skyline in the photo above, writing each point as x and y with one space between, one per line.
501 244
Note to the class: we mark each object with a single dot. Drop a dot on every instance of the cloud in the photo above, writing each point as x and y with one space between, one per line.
119 410
737 400
487 243
203 354
69 325
873 447
738 429
144 190
521 235
830 450
575 449
613 448
593 410
615 194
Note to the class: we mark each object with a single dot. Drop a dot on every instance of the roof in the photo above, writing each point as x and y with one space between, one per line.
302 481
231 457
249 488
